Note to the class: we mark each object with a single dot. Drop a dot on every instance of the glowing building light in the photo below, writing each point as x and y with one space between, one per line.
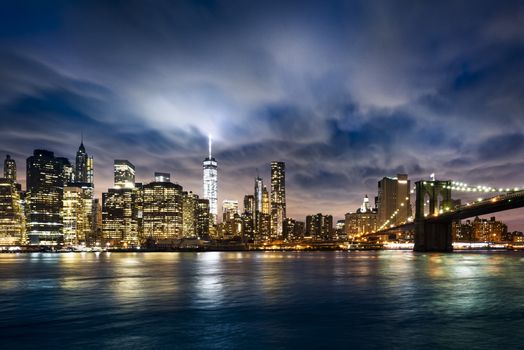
210 179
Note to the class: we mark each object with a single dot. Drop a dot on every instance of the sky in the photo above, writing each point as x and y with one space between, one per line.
344 92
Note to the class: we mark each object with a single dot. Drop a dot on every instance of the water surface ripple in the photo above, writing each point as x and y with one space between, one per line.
260 300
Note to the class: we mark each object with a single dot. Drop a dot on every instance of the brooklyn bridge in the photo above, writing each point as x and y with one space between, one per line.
435 211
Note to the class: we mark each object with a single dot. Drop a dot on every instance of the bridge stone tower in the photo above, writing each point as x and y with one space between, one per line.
431 233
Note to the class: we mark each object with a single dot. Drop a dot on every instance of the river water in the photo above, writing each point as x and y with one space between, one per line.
262 300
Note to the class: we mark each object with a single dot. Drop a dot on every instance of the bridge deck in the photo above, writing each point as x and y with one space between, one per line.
495 204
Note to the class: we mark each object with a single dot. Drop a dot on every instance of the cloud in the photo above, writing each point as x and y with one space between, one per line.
345 92
501 147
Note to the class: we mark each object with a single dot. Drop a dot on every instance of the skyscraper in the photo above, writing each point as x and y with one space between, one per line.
248 221
162 207
288 229
124 174
259 188
12 219
83 188
278 197
247 227
202 224
231 220
83 165
189 214
75 217
229 209
393 194
10 168
319 226
120 216
45 182
210 166
249 204
266 205
67 174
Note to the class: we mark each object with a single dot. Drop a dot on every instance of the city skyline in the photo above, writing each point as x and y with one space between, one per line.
514 221
270 82
124 178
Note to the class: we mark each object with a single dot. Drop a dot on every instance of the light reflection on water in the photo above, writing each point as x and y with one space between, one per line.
384 299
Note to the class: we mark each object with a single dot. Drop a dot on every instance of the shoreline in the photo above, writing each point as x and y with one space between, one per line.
247 250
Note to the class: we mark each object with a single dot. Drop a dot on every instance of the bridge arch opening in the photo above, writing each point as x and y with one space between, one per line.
439 208
427 204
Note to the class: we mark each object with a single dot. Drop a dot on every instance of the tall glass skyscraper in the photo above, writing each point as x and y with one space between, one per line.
259 189
83 166
210 166
249 203
80 199
45 189
266 205
278 197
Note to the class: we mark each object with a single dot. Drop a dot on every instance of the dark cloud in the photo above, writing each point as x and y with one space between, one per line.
501 147
344 92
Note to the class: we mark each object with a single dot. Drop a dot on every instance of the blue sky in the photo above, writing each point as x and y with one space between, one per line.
344 92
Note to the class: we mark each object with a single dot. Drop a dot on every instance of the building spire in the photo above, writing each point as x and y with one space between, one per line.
81 148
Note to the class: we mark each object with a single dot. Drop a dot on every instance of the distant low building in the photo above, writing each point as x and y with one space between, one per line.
319 227
362 222
480 230
340 230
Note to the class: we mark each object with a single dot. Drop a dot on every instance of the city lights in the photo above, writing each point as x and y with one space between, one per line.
60 210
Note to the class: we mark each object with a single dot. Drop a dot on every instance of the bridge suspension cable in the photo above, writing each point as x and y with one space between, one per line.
464 187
